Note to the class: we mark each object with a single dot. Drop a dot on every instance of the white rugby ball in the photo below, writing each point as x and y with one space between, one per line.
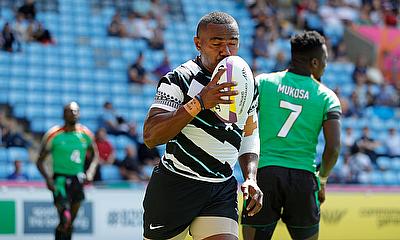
237 70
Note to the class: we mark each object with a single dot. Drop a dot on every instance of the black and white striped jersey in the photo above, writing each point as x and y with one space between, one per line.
206 149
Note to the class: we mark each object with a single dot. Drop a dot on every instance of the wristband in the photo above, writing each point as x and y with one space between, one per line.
193 107
322 180
201 102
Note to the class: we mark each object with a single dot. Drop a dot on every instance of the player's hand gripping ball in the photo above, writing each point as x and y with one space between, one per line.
237 70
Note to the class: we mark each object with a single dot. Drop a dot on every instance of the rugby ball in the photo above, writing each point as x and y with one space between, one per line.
237 70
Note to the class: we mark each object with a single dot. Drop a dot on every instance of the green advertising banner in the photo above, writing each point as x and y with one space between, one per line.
7 219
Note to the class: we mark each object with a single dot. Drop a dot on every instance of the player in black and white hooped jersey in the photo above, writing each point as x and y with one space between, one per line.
193 189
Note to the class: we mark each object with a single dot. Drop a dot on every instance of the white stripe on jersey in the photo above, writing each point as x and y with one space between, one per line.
223 151
182 167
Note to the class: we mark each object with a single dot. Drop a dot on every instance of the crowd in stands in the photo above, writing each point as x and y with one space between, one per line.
11 135
145 21
137 155
24 28
275 22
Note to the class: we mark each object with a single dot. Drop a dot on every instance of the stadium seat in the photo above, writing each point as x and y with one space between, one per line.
377 177
384 162
110 173
5 170
395 164
32 172
390 178
3 155
18 153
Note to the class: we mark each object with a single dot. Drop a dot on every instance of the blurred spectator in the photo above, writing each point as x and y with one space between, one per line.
116 27
341 53
355 107
106 150
148 156
364 18
369 97
374 75
137 73
115 124
28 10
366 144
20 27
108 119
260 43
361 162
157 12
7 38
18 174
346 173
130 167
360 68
348 140
157 41
130 25
13 138
144 27
280 62
163 68
42 35
390 14
387 95
392 143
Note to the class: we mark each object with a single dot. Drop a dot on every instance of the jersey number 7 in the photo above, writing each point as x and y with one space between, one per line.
296 110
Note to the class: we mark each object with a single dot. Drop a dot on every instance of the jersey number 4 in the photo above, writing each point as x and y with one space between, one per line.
296 110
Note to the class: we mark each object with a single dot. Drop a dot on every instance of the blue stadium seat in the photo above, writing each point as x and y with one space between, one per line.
390 178
32 172
110 173
18 153
3 155
377 177
384 162
5 170
395 164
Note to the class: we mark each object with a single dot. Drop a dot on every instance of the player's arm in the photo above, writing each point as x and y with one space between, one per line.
43 153
91 171
248 160
331 129
162 125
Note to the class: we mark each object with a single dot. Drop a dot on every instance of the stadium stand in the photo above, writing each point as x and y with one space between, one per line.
86 65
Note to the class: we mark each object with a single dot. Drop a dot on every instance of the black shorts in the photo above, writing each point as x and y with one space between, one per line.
290 194
69 189
172 202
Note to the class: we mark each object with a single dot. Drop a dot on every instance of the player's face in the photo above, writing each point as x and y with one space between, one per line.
215 42
320 68
71 114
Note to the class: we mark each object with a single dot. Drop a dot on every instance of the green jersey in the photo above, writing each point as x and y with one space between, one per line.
292 109
68 149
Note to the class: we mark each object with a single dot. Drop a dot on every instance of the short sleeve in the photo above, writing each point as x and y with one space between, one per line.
332 104
169 94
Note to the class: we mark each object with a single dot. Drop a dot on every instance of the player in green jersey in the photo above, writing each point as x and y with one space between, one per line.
68 146
293 107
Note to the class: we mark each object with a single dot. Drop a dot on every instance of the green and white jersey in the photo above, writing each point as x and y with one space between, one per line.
68 149
292 109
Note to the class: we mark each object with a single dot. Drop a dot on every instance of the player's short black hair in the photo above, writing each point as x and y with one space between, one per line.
214 18
306 43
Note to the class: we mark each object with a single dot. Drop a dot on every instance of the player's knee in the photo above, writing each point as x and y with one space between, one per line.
310 233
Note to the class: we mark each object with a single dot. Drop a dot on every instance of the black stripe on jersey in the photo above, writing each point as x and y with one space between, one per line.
207 121
189 154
